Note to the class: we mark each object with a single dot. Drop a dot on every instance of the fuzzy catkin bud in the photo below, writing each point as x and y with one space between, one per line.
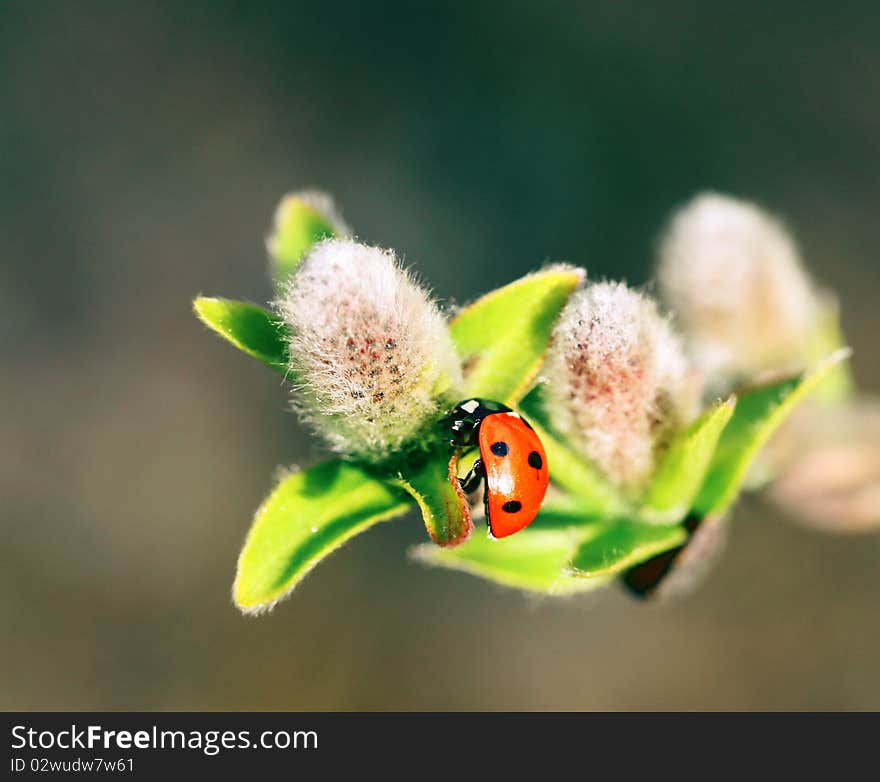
618 382
734 278
370 351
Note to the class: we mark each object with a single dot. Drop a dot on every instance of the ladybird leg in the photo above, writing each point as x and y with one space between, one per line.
471 481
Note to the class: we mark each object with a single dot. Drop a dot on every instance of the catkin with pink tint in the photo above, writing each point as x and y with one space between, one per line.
617 381
734 278
369 350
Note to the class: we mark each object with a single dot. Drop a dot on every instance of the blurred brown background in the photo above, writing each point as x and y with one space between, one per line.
142 150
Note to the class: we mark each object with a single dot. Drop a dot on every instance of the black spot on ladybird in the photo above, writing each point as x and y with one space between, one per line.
535 460
512 506
500 448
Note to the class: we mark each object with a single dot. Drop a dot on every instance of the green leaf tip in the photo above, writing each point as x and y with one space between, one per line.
759 413
250 328
307 516
436 489
623 544
534 560
838 386
301 220
503 336
684 465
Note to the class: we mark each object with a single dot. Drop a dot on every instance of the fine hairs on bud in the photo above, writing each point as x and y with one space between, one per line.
369 350
734 278
617 380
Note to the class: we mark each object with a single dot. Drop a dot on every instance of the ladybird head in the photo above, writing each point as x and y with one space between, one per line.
463 421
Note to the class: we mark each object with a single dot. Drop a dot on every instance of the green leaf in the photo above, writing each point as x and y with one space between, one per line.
759 412
622 544
502 337
681 471
306 517
435 487
838 385
249 327
299 224
597 496
534 560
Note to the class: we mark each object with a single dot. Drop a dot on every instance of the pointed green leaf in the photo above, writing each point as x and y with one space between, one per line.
301 220
533 560
435 487
306 517
249 327
681 471
597 496
759 412
502 337
622 544
838 385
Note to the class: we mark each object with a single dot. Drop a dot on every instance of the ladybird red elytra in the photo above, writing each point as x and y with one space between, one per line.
512 461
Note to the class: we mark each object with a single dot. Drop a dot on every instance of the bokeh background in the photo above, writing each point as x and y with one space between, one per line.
143 148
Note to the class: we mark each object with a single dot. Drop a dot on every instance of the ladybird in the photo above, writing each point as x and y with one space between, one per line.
512 460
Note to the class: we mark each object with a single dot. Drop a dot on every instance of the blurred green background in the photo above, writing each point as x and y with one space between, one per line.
143 148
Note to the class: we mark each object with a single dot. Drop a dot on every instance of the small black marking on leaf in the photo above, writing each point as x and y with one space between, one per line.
500 448
512 506
535 460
